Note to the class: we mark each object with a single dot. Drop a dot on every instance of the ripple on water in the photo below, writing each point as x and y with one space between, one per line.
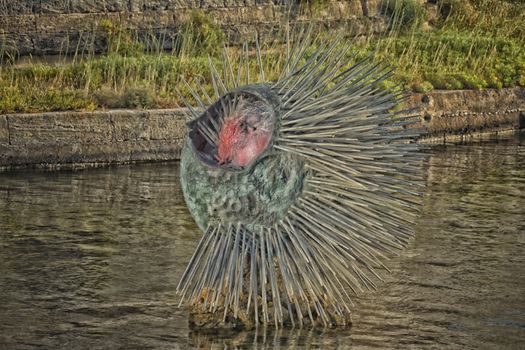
91 259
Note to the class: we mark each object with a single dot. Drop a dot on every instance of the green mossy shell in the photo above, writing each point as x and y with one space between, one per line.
259 195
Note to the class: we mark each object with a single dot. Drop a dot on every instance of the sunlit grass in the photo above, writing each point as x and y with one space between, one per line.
468 47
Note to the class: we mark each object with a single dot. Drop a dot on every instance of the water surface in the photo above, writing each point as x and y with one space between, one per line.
90 260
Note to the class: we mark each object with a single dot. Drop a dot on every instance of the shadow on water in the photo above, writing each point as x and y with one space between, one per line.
91 260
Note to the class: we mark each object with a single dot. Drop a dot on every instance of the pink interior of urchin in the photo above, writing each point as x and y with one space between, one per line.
243 134
240 148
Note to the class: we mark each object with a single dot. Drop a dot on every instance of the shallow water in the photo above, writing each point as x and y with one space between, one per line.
91 259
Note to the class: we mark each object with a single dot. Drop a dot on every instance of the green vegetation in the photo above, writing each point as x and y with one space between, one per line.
403 15
201 36
466 45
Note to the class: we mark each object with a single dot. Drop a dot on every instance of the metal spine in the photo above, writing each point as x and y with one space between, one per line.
356 208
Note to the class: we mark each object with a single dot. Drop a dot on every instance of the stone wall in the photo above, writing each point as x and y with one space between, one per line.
64 139
41 27
448 114
72 139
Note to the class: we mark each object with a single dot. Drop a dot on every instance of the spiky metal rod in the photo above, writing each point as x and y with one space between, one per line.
303 187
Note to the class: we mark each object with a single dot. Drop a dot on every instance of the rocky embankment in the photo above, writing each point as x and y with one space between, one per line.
82 139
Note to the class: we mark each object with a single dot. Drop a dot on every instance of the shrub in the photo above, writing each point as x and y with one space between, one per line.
57 99
12 100
118 39
444 81
494 82
131 97
423 86
38 99
458 10
139 96
470 81
200 35
107 98
403 14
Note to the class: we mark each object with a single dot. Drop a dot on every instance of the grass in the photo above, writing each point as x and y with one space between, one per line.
468 45
403 15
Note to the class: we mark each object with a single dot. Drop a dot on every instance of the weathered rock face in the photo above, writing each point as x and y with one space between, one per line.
59 26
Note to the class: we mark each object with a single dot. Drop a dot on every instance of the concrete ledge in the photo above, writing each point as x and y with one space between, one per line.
80 139
459 114
101 137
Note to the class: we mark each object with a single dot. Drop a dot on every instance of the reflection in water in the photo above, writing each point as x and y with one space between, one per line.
91 259
306 338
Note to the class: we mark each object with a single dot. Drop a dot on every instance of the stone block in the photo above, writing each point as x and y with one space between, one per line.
116 5
265 31
111 152
21 44
211 4
234 3
132 20
226 15
269 2
156 19
155 5
257 14
18 7
155 150
162 5
9 156
167 125
60 128
4 130
61 26
243 15
182 4
19 24
181 15
66 33
165 38
58 43
80 6
26 155
97 6
54 6
55 154
47 24
130 125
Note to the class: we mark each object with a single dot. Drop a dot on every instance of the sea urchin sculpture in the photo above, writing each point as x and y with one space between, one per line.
302 187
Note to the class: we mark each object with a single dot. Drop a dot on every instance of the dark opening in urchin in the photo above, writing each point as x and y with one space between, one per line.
235 131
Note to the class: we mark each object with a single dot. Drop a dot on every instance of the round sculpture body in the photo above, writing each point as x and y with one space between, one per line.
301 188
254 189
